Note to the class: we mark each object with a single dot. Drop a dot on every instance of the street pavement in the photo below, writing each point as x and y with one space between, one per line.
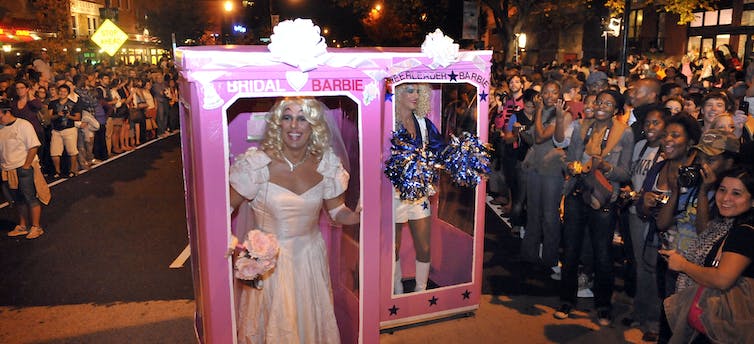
100 273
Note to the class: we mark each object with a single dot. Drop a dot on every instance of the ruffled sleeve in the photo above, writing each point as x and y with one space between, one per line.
335 176
249 172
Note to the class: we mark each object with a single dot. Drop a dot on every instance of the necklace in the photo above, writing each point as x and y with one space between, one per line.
291 165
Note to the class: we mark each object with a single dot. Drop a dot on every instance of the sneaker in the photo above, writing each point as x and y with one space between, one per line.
604 318
18 231
556 272
585 293
56 175
584 286
35 232
563 311
95 161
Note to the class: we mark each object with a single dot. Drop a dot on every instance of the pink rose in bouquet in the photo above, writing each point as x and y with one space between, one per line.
258 255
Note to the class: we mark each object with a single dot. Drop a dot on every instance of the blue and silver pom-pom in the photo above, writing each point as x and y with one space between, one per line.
410 169
466 159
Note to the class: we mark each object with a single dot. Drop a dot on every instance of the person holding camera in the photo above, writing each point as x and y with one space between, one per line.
64 113
644 243
518 137
663 201
719 307
599 157
715 155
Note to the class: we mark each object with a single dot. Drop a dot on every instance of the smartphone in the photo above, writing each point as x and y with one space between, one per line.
744 106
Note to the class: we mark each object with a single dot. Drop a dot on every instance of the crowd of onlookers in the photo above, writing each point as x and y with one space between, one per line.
656 160
85 113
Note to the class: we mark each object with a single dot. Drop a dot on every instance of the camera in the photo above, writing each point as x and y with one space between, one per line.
666 240
626 199
689 176
520 129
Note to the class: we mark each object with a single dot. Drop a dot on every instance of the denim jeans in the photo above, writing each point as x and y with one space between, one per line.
543 219
581 218
646 301
26 192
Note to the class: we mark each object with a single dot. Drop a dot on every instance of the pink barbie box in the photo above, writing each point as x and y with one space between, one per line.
226 92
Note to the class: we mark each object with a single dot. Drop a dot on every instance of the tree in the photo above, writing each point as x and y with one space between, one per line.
513 16
684 8
398 22
186 19
54 16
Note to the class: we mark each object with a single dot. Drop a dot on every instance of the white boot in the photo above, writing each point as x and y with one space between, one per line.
397 278
422 274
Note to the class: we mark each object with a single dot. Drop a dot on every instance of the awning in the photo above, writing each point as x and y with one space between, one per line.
12 35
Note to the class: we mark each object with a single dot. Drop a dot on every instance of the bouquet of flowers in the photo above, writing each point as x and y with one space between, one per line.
257 255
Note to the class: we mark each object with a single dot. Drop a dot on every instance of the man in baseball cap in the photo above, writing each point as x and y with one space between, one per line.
717 141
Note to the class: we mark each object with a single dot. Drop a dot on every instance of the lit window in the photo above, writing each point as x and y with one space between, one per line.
693 46
726 16
722 39
710 18
697 22
747 17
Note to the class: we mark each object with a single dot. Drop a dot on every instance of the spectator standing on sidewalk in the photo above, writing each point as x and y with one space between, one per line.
645 242
64 113
158 93
605 145
22 180
544 184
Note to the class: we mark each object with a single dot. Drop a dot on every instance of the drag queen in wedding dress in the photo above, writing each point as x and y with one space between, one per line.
287 181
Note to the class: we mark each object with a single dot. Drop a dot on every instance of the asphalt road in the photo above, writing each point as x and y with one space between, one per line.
100 273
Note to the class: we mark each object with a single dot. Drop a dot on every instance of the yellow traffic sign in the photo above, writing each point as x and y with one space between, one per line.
109 37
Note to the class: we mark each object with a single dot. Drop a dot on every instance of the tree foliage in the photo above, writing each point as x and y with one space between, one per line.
684 8
398 22
512 16
54 16
184 18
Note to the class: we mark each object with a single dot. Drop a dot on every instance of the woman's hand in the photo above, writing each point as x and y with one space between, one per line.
676 262
708 177
652 199
561 108
538 103
601 164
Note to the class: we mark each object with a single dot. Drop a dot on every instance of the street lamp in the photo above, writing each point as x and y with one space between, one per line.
228 8
520 44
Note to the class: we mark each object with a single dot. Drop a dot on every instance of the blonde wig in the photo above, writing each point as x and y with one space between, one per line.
314 112
425 93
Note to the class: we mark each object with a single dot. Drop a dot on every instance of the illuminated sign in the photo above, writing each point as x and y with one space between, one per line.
109 37
239 28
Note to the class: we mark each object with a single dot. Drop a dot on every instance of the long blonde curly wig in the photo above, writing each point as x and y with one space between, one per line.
425 94
314 112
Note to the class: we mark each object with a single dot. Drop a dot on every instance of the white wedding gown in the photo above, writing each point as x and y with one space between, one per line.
295 304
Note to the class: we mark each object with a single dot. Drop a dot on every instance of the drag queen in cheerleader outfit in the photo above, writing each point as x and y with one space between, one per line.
411 109
286 182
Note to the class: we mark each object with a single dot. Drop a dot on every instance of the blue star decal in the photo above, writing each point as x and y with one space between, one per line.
388 97
433 301
453 76
466 294
483 96
393 310
425 205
